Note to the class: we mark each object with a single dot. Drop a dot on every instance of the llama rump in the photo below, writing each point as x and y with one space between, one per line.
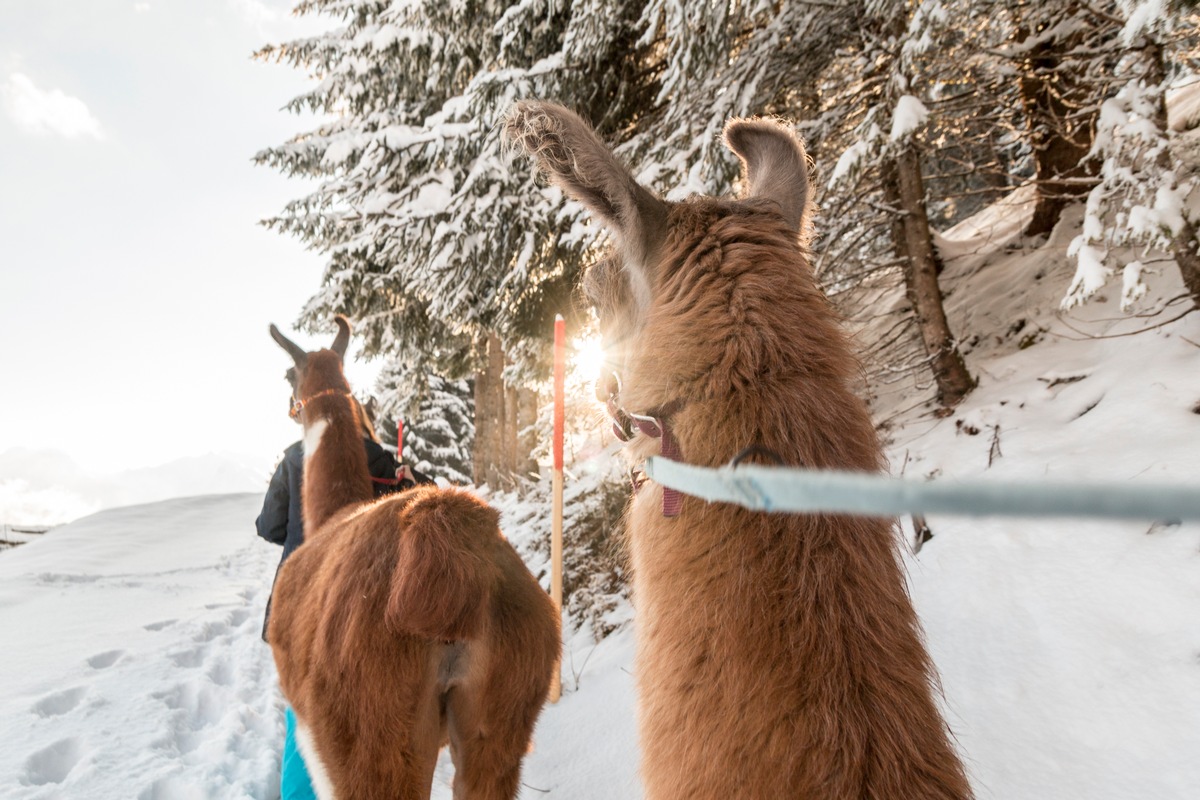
778 655
402 624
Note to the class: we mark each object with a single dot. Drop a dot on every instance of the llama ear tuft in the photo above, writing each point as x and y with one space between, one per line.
774 163
342 340
573 157
294 350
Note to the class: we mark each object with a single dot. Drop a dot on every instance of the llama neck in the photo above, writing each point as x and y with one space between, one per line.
811 609
750 347
336 474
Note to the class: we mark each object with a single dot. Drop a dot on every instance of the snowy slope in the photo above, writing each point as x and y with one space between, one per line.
133 668
1069 651
132 664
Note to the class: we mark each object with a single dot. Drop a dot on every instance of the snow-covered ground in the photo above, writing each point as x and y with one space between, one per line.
133 668
1069 652
132 665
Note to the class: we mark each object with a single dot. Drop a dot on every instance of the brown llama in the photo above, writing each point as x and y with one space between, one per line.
778 655
404 623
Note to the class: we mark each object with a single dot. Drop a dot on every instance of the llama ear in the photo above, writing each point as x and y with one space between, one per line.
573 157
342 340
775 165
294 350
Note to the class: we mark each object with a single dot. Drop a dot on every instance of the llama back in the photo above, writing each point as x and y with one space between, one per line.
784 671
458 578
445 573
431 563
372 609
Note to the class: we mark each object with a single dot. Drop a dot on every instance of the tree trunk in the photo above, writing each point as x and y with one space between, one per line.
527 417
905 189
1059 141
501 454
511 455
487 458
479 446
1186 250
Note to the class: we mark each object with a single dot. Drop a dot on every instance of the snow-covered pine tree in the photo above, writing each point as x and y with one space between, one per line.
1061 51
730 59
416 202
878 183
431 237
438 416
973 139
1145 200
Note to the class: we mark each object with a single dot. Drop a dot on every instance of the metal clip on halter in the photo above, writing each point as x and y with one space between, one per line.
626 425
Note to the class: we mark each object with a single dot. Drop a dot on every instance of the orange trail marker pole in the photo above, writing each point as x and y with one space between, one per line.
556 511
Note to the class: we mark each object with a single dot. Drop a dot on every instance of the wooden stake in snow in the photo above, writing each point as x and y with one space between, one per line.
556 510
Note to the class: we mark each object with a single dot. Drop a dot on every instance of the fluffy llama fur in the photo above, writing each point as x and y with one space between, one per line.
778 655
402 624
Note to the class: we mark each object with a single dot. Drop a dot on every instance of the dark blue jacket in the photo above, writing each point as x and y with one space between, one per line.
281 522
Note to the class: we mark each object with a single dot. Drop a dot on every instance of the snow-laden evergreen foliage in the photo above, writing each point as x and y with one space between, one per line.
435 239
1140 203
433 236
731 59
438 416
882 115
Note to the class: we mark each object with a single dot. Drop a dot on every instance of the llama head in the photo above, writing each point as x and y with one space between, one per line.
320 370
648 232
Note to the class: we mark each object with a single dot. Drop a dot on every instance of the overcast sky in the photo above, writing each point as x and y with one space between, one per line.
135 283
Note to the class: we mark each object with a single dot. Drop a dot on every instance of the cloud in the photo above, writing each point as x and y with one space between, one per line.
47 487
275 19
41 111
260 16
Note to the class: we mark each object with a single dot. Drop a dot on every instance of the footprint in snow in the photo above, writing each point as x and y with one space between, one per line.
210 631
220 672
200 703
52 764
239 618
53 705
105 659
158 626
196 707
172 788
188 658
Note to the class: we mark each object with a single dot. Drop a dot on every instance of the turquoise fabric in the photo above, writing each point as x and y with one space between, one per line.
294 783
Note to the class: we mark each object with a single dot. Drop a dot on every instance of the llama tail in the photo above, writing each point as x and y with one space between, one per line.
445 574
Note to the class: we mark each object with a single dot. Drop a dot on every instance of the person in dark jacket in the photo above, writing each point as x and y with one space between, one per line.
281 521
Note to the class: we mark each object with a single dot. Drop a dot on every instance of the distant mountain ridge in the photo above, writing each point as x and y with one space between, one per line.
48 487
